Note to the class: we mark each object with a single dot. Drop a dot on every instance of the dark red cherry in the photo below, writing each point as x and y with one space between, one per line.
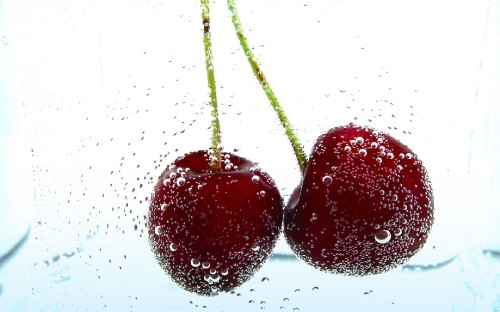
211 231
365 204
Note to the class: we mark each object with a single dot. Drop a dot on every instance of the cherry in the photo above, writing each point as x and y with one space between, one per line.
211 231
364 206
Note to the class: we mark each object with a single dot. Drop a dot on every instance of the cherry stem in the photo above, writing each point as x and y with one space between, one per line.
216 159
254 64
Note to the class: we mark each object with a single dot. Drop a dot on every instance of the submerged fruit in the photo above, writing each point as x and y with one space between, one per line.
365 204
211 231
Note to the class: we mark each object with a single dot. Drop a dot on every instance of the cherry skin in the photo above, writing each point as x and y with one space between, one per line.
211 231
365 204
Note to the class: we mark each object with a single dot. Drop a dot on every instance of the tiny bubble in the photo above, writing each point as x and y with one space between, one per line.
327 180
195 262
181 181
382 236
158 230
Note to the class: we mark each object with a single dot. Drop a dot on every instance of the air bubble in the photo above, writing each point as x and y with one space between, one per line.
374 145
378 160
172 175
163 207
158 230
262 193
165 182
362 152
399 167
173 247
314 216
224 272
327 180
255 247
347 149
205 264
409 156
360 140
390 156
394 197
181 181
398 232
382 236
195 262
213 271
255 179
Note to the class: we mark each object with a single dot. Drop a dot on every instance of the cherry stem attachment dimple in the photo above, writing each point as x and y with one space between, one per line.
216 159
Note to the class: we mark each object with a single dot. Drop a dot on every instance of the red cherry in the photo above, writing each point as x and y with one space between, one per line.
365 204
211 231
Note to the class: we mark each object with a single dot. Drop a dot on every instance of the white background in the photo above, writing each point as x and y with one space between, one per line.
112 91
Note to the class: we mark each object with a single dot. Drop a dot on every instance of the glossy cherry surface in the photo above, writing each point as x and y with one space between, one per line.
365 204
211 231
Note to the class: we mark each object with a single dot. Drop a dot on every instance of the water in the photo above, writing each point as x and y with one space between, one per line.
112 92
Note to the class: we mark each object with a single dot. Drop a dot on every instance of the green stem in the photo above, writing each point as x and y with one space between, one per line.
254 64
216 162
